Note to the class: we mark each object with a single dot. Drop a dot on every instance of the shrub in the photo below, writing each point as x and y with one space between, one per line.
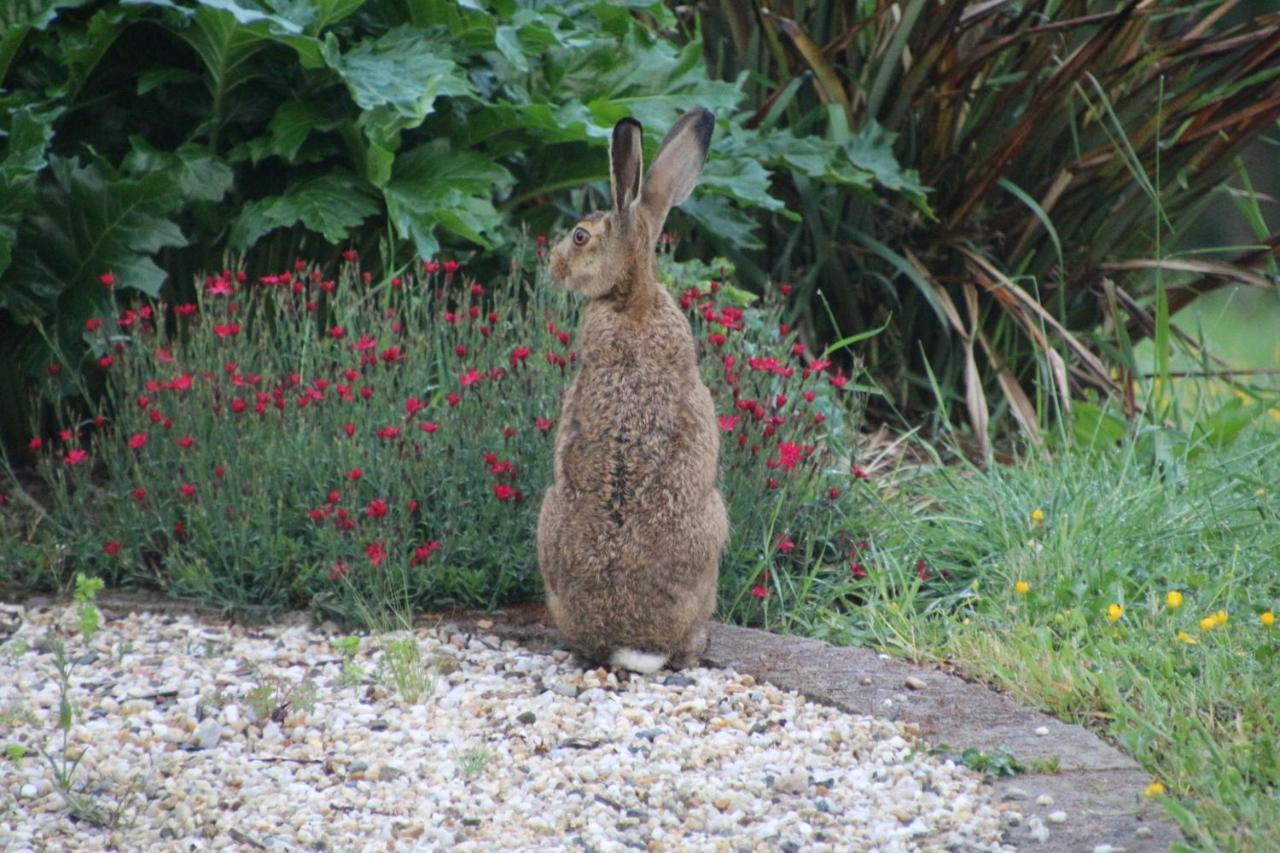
143 138
308 438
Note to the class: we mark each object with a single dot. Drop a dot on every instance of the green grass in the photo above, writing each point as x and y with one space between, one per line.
1120 527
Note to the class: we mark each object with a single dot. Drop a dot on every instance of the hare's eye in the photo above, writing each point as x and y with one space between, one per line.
581 236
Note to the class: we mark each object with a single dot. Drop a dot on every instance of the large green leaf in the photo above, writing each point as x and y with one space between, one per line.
397 77
330 205
871 149
87 220
27 133
432 185
197 173
722 221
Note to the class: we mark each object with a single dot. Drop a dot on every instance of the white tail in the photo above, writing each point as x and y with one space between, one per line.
638 661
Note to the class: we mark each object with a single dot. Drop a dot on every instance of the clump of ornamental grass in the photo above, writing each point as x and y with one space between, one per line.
331 438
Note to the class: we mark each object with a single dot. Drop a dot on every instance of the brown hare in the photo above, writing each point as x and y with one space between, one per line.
631 529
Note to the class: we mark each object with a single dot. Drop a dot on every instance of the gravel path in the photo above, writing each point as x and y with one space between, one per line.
208 735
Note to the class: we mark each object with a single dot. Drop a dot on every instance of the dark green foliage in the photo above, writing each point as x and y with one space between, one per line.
1068 149
146 138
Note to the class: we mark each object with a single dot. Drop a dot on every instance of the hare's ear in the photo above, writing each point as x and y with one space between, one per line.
626 159
675 169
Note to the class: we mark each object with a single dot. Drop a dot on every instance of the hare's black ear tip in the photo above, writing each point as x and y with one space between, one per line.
703 126
626 124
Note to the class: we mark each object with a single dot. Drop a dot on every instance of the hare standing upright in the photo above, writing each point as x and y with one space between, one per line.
631 529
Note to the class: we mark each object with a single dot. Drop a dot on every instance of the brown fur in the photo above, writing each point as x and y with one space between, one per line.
631 531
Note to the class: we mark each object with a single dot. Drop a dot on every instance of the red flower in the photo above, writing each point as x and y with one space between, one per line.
759 591
226 330
108 279
543 424
564 337
318 514
452 398
508 431
112 547
833 493
412 406
422 553
428 427
179 530
337 333
185 442
139 494
518 356
839 381
355 474
789 454
377 552
350 256
75 456
186 309
220 287
106 361
334 496
716 338
785 545
771 483
412 506
505 492
779 401
728 422
187 490
35 443
431 267
338 571
365 343
219 471
922 570
388 432
856 569
860 474
377 508
138 440
92 324
349 429
785 288
450 267
391 354
238 405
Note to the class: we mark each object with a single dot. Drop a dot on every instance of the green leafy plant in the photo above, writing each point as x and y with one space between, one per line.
142 139
402 663
348 647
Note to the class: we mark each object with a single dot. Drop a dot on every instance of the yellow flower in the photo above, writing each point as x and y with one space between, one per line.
1022 587
1155 789
1114 612
1173 600
1208 623
1037 517
1187 638
1220 617
1267 619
